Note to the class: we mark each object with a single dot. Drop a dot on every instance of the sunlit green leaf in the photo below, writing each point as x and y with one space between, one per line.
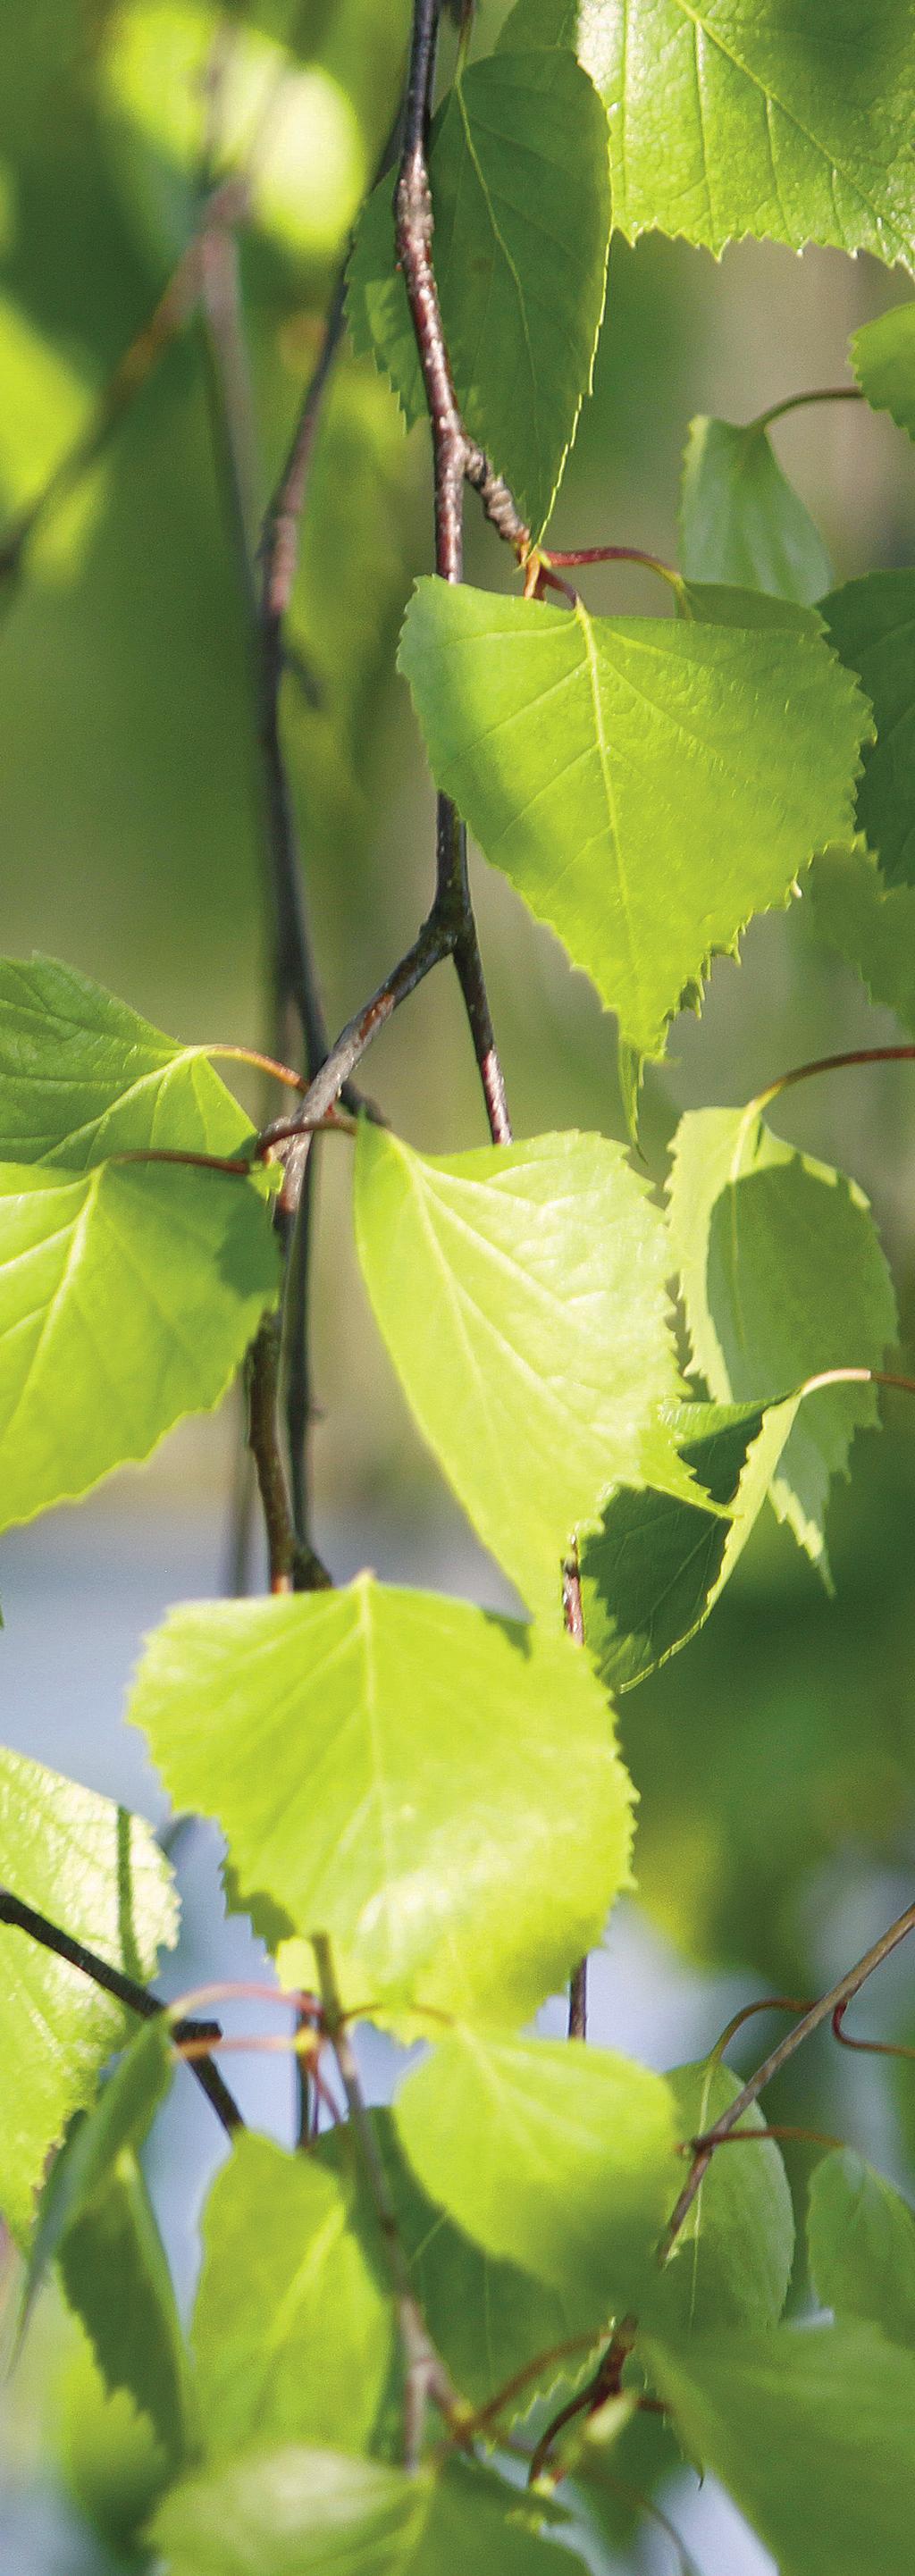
731 2262
99 1873
883 356
645 785
521 194
811 2431
83 1077
790 119
559 2159
301 2513
504 1282
653 1565
741 522
871 624
782 1277
435 1788
292 2335
861 2245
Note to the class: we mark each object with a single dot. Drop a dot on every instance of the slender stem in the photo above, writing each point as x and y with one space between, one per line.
263 1441
25 1918
434 942
427 2379
822 2010
800 402
574 1624
829 1064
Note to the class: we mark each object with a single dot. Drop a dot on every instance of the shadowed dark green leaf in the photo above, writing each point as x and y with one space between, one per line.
871 624
883 356
871 925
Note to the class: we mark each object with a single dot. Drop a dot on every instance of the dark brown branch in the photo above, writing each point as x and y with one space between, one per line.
823 2010
125 1990
573 1622
427 2381
434 942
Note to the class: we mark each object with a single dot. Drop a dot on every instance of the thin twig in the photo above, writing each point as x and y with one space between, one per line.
823 2010
574 1624
426 2378
137 1999
800 402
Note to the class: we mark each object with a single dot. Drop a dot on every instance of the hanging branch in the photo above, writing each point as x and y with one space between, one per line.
24 1918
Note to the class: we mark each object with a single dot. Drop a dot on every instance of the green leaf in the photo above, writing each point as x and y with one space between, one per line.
811 2430
521 194
731 2262
128 1297
503 1281
782 1277
292 2335
871 624
883 356
792 122
435 1788
97 2222
861 2245
489 2319
654 1564
307 2513
645 785
740 520
870 925
99 1873
555 2158
82 1077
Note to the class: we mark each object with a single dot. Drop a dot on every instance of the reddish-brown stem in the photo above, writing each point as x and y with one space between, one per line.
869 2047
615 554
606 2382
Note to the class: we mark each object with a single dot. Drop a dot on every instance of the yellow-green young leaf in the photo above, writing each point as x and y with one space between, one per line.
790 119
97 2222
782 1276
871 925
555 2158
731 2262
82 1076
871 624
861 2245
521 194
653 1565
489 2319
521 1293
293 2336
435 1788
812 2431
128 1297
741 522
98 1873
883 356
318 2513
645 785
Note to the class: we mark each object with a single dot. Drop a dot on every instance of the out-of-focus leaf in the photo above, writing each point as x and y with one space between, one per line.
741 522
871 925
883 356
83 1077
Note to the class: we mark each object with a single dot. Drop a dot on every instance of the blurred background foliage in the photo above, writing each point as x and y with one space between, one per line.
773 1759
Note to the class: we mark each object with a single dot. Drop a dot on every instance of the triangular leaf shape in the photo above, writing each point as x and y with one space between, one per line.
811 2431
861 2245
562 2160
788 119
871 925
302 2512
99 1872
645 785
128 1297
385 1759
521 1293
521 193
293 2337
83 1077
782 1277
871 624
883 356
654 1564
731 2262
741 522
